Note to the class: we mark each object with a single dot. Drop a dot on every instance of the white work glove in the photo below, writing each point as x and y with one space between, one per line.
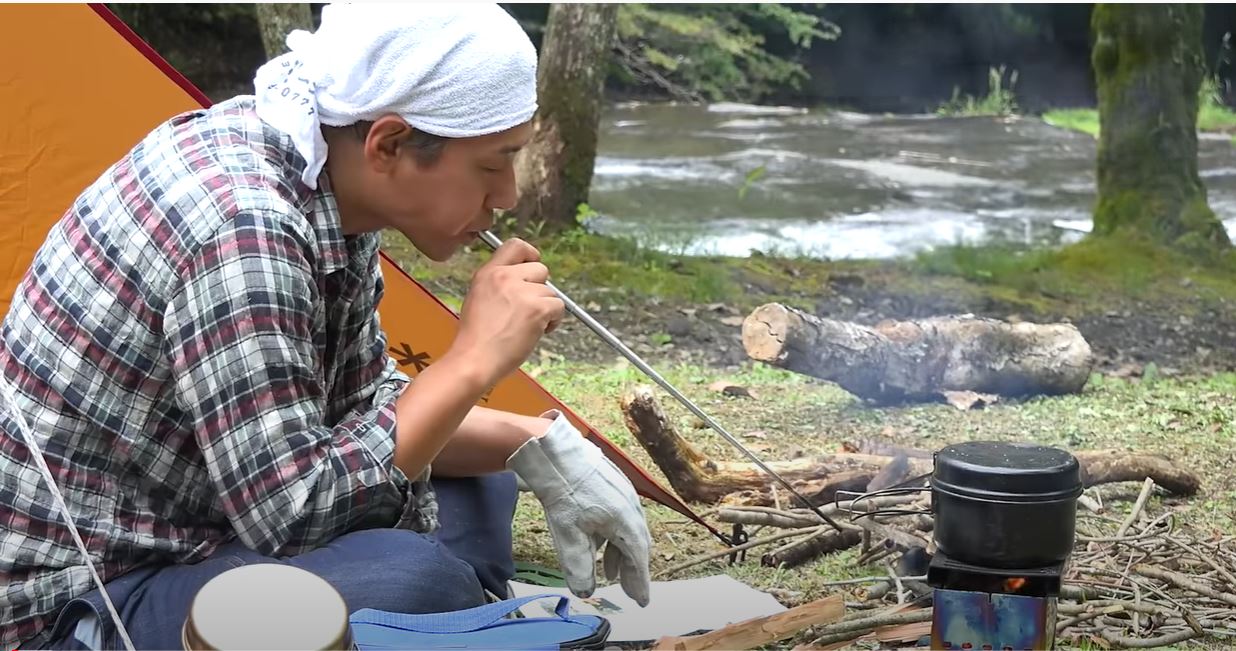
587 501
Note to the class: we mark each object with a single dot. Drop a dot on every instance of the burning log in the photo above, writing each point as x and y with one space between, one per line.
917 360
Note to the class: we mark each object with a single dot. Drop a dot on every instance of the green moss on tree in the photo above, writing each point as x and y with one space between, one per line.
555 170
1148 65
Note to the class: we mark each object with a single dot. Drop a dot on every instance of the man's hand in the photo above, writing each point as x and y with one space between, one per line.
507 311
587 501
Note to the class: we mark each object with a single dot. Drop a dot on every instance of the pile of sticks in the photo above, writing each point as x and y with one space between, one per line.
1147 580
1142 581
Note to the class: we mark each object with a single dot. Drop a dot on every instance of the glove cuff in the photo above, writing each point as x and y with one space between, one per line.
550 465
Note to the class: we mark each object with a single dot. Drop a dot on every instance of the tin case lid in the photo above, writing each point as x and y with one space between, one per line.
267 606
1007 471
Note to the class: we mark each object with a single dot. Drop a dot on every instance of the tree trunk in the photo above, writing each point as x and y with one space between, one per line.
555 169
276 20
917 360
1148 65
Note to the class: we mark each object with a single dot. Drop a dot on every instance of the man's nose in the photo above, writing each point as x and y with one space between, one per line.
505 195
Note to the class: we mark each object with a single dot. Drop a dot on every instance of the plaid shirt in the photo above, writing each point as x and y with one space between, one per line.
197 349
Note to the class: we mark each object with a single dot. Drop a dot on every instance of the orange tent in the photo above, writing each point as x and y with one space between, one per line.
79 89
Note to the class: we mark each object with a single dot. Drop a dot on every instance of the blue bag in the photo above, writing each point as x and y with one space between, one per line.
483 627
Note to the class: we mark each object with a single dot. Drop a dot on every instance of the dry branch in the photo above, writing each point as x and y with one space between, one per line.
850 629
801 551
1182 581
1111 466
1147 487
1148 643
743 547
699 479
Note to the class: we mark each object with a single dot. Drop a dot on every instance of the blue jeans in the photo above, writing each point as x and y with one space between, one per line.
387 569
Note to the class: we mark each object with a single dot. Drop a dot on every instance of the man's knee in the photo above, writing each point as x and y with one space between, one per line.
400 571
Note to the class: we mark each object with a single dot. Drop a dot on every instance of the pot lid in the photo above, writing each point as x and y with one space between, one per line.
1009 470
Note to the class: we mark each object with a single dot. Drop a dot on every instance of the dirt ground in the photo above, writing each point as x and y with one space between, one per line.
1124 338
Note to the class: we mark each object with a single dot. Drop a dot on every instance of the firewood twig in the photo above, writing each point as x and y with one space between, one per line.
1184 582
850 629
868 579
750 545
1147 487
1147 642
1227 576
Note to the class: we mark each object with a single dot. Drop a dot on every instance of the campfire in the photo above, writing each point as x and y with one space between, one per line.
975 546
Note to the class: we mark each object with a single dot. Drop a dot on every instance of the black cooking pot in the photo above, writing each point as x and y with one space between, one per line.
1005 505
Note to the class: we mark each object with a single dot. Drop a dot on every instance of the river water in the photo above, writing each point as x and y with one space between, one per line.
849 185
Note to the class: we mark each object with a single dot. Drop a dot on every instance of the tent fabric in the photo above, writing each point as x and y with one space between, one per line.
79 88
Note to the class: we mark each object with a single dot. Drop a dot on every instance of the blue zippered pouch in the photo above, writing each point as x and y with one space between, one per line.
483 627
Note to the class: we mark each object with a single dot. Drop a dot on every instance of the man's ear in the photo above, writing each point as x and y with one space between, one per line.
385 142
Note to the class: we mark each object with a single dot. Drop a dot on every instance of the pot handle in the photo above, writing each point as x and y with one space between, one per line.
850 501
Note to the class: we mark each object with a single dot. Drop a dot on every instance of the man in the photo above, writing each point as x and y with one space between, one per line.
196 350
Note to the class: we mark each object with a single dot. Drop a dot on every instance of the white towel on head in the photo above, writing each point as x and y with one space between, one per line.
455 70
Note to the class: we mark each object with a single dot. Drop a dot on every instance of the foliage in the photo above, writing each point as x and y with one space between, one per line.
1212 113
1094 270
752 176
999 100
715 51
583 262
1085 120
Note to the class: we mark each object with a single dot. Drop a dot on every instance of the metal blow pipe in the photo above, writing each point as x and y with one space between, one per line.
608 337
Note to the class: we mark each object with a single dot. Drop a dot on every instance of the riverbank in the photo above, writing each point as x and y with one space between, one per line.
1136 304
1163 328
1210 119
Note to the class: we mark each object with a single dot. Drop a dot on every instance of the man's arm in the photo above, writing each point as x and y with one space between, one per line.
240 344
485 440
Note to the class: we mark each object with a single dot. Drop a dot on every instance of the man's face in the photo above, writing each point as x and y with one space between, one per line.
440 205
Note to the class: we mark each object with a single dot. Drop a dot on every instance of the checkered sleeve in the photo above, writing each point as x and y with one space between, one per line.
368 377
239 332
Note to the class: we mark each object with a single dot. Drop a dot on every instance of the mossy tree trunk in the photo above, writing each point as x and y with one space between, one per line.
276 20
1148 65
555 169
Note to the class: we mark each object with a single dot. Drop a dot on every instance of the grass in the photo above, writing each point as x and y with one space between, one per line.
1212 114
1085 120
1191 420
1091 273
999 100
1093 276
593 266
